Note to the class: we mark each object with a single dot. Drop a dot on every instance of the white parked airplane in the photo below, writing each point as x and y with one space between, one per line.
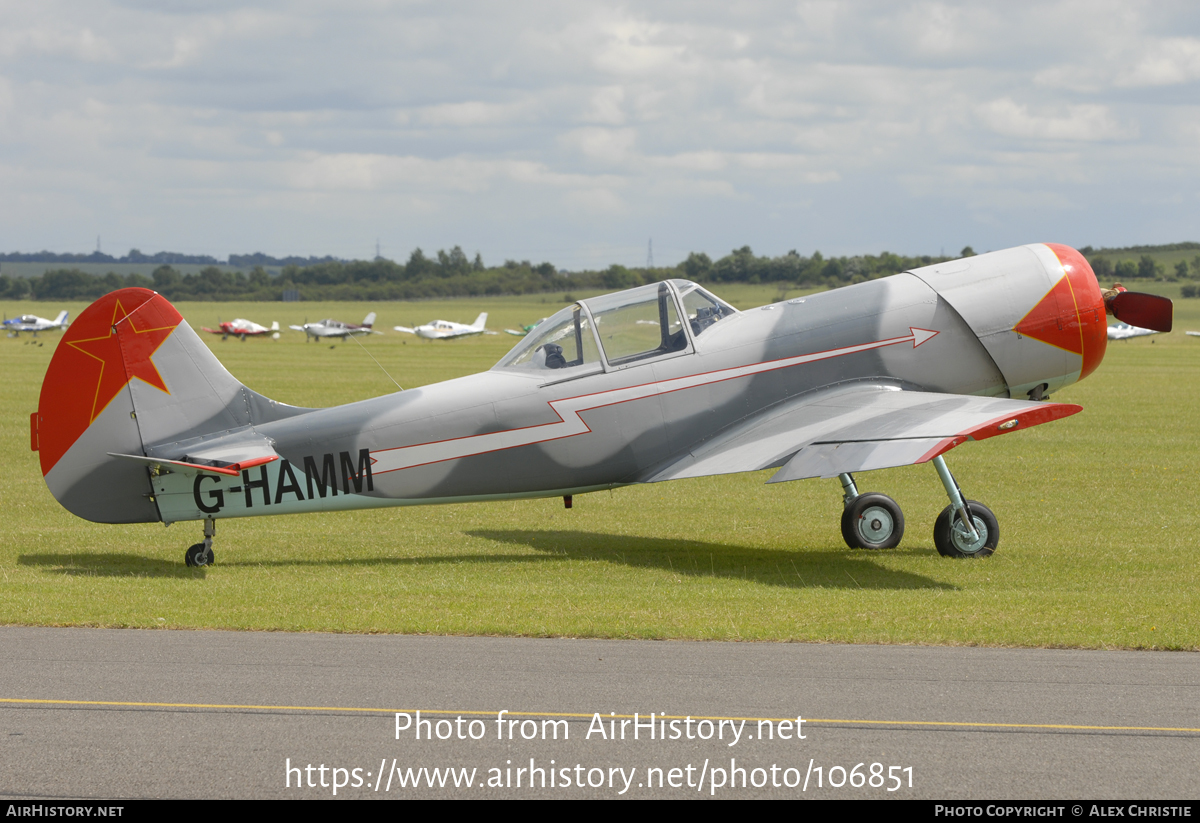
35 324
1124 331
336 328
242 328
442 329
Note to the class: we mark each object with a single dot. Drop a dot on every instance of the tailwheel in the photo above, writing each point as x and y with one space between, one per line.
199 555
954 539
872 521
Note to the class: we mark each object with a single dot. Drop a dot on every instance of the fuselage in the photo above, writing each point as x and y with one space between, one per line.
995 325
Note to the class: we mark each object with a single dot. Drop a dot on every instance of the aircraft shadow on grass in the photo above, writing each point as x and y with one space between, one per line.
109 565
694 558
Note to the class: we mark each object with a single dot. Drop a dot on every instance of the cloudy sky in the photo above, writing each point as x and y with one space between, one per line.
576 132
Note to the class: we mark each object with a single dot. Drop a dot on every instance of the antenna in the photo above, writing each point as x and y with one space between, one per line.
97 242
650 253
377 255
377 363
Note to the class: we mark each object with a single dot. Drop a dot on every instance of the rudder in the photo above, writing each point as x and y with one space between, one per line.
130 375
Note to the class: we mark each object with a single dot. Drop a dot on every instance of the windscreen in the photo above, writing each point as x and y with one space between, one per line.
638 323
562 341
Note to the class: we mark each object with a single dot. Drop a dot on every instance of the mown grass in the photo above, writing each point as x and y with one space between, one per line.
1097 516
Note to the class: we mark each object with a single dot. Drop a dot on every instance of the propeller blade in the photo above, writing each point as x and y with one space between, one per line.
1147 311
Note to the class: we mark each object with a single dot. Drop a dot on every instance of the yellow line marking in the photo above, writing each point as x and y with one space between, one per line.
935 723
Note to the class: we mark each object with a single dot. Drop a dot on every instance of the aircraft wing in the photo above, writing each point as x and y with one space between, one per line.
857 429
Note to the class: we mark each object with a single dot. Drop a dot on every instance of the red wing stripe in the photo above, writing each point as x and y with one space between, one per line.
1032 417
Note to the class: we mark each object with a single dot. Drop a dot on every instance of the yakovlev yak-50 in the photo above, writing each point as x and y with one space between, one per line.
445 329
242 328
336 328
35 324
139 422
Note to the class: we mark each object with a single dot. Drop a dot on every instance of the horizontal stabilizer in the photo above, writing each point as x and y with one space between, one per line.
163 466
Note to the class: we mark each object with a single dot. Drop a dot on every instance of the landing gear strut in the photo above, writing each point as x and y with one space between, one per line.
201 554
965 528
869 521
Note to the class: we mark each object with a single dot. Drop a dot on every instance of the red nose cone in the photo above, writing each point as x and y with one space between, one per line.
1089 315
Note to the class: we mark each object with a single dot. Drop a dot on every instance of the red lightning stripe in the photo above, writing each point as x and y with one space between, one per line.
568 409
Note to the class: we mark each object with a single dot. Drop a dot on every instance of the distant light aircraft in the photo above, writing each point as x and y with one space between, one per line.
524 330
1124 331
243 328
33 323
139 422
336 328
445 329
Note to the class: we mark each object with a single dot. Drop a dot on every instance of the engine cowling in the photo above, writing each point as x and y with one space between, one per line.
1037 310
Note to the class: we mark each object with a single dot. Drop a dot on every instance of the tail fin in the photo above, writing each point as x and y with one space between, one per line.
61 320
480 321
369 320
274 325
130 375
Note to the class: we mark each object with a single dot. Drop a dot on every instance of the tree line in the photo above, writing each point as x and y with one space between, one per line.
453 274
1145 267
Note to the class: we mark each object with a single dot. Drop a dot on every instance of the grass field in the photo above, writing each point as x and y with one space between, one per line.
1097 515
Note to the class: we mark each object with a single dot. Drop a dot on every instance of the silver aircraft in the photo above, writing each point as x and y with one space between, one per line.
139 422
33 323
1124 331
336 328
447 329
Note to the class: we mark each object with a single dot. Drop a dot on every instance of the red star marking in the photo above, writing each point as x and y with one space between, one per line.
121 363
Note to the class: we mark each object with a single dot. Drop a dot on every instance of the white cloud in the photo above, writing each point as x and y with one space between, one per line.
1172 61
50 40
1082 122
534 121
606 106
596 201
602 145
471 113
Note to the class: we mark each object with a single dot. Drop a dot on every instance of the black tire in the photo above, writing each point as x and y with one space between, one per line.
956 542
874 521
197 555
848 530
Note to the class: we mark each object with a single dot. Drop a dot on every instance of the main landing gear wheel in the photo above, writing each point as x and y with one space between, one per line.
199 555
952 538
872 521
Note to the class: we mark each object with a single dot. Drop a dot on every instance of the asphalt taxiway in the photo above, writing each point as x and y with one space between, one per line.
90 713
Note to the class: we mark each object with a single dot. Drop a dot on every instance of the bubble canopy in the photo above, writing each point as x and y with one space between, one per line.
617 330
